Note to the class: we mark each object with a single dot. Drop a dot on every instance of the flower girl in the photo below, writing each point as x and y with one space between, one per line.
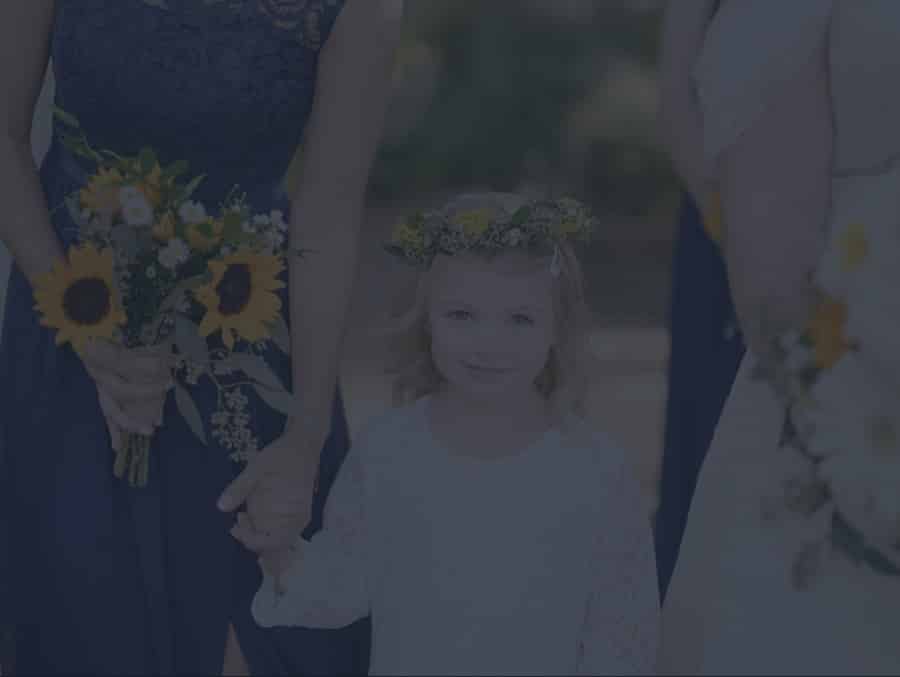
480 523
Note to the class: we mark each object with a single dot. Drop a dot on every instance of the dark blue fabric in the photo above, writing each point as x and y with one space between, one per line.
703 363
102 578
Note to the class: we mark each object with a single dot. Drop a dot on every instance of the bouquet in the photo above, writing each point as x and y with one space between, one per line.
154 269
840 381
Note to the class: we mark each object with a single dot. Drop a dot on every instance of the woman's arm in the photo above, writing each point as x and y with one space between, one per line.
25 228
776 188
684 27
344 129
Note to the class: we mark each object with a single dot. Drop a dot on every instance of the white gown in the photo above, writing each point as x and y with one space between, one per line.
534 564
732 608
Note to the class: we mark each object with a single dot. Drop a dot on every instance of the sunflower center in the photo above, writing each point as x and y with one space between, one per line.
234 289
87 301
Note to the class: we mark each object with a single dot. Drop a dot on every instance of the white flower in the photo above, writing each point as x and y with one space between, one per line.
798 358
841 401
873 308
174 253
192 212
261 220
513 237
277 217
856 428
274 240
136 210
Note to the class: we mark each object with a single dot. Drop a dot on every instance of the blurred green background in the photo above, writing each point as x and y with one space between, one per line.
549 97
501 93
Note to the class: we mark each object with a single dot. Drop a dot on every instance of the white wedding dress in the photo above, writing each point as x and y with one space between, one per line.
732 608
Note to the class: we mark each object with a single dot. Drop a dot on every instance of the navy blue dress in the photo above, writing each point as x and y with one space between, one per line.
101 578
704 359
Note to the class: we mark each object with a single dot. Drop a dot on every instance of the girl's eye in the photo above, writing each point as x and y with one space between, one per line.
459 314
519 318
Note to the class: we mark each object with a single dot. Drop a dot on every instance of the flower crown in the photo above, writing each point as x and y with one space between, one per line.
490 228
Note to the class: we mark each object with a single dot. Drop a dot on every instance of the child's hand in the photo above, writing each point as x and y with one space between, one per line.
272 566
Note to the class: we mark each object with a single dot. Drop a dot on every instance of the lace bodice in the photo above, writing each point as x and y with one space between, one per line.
226 85
535 564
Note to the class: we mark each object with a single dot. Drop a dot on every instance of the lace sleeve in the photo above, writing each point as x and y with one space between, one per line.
621 628
326 586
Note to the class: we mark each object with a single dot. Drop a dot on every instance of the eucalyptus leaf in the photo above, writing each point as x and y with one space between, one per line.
65 118
189 412
176 169
147 159
257 369
280 400
281 335
189 341
192 186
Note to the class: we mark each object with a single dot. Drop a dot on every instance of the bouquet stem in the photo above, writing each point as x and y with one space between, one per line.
134 460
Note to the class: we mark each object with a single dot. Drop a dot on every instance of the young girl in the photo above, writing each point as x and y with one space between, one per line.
481 525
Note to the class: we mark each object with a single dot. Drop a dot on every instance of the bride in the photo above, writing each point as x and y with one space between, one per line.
790 562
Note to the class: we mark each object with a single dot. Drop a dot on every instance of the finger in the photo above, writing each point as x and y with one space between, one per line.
115 414
267 536
262 542
236 493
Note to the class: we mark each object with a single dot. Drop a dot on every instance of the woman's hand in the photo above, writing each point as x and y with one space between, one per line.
132 385
277 488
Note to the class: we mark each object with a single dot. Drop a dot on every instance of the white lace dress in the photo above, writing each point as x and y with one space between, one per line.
731 607
540 563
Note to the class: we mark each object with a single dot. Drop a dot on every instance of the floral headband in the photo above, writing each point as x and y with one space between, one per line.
452 230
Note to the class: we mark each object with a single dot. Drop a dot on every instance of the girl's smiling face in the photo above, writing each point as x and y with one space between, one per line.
491 323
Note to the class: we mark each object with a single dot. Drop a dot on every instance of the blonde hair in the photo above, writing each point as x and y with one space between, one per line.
565 378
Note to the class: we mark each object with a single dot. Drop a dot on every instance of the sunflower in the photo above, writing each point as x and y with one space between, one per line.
164 229
101 194
855 246
151 186
240 299
827 330
79 299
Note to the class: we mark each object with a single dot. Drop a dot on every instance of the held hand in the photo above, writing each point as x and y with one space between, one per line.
132 385
765 312
277 488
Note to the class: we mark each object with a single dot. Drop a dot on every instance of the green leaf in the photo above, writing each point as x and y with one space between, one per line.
192 186
189 412
279 400
147 159
176 169
65 118
257 369
189 342
520 216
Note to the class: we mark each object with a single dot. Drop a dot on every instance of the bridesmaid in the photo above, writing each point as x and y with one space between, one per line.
108 579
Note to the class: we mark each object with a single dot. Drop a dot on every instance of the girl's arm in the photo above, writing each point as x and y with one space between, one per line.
25 228
325 586
620 635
